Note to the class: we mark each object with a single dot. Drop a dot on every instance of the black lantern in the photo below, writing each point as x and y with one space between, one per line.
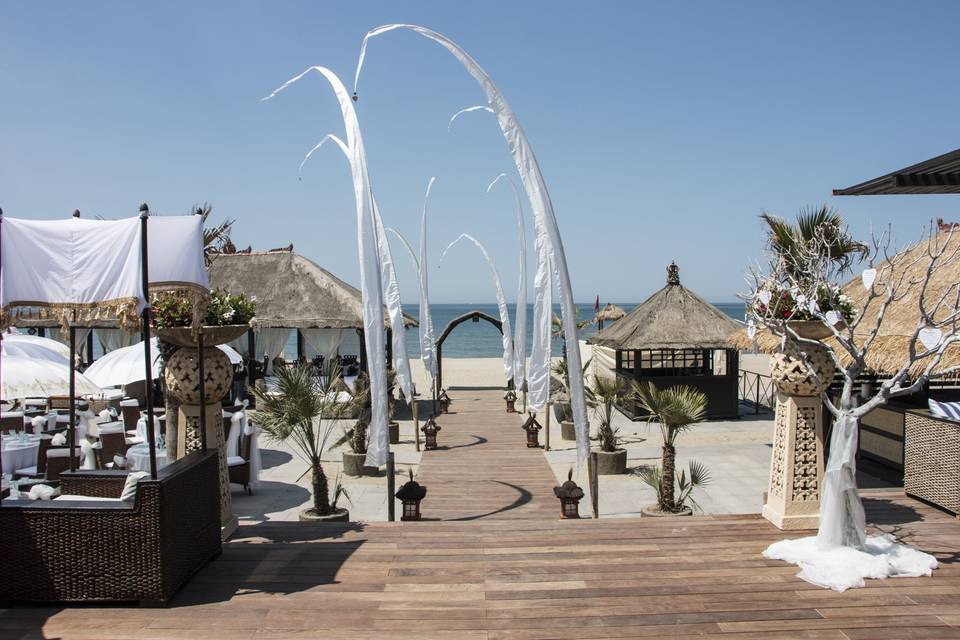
532 427
511 397
570 495
444 400
411 493
430 429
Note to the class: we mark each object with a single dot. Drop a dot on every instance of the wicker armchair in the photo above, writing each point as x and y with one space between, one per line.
157 542
932 460
239 465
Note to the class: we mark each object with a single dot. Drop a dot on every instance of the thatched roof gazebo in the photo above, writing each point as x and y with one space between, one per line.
677 337
293 294
609 313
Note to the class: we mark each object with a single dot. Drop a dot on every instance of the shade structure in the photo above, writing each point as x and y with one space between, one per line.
610 312
125 365
30 378
936 175
291 291
35 348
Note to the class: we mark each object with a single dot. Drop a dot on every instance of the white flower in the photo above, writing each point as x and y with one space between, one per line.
228 315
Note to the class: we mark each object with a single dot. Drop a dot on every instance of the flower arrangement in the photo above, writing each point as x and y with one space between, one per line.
176 309
775 301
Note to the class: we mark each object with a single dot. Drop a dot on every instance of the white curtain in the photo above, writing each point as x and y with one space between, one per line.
241 345
270 343
325 342
113 339
56 333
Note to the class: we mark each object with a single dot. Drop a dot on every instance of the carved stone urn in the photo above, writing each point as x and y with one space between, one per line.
801 373
183 382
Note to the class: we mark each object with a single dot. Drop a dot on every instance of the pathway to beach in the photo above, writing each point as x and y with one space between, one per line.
482 468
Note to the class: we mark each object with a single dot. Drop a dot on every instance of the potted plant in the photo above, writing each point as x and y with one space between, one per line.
560 392
356 438
227 317
602 395
303 411
677 409
393 427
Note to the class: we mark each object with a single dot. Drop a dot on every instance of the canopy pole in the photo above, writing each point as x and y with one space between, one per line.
148 370
203 392
72 439
1 333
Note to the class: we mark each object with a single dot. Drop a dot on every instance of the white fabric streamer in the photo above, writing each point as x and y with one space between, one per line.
370 283
542 208
479 107
501 303
539 374
520 326
427 346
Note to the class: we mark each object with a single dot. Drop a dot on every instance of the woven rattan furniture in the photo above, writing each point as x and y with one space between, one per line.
239 466
932 460
143 551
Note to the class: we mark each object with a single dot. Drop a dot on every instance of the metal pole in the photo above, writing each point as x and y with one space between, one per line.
148 369
756 405
251 357
594 481
203 393
546 429
391 489
72 440
416 420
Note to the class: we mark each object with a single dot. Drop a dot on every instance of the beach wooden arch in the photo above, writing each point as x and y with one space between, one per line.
473 316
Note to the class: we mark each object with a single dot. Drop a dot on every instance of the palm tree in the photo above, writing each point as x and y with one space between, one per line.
556 329
821 226
602 396
215 237
303 410
676 409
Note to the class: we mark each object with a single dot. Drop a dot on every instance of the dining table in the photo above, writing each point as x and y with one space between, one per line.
138 457
18 451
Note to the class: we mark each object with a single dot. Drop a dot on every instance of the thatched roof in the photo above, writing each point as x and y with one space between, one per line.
672 318
936 175
891 348
611 312
290 290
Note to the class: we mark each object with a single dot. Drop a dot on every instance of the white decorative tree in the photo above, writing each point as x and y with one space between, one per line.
799 299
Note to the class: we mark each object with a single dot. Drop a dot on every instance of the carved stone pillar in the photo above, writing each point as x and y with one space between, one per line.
796 465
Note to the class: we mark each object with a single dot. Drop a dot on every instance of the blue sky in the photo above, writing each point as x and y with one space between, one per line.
663 129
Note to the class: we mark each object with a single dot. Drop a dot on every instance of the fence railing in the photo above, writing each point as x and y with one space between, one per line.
757 389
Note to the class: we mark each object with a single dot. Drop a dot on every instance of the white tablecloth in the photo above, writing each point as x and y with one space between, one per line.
19 452
138 457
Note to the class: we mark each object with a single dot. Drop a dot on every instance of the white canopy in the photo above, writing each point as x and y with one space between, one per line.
125 365
45 343
32 350
26 378
175 245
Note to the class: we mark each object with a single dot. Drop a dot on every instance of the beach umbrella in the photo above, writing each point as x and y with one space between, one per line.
45 343
31 378
125 365
33 351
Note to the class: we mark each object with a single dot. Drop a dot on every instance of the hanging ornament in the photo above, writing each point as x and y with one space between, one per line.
868 276
930 337
751 329
783 342
833 318
764 296
813 308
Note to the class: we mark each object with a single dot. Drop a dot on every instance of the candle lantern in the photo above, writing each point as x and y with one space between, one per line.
444 401
532 427
430 429
511 397
570 495
410 494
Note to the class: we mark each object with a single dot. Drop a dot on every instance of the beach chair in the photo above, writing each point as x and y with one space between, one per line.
39 468
11 421
58 461
239 465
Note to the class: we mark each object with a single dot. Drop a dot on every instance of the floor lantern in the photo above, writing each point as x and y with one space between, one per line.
430 429
511 397
570 496
444 401
410 494
532 427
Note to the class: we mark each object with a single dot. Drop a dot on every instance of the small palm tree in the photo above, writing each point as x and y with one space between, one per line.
821 227
676 409
556 329
303 410
602 396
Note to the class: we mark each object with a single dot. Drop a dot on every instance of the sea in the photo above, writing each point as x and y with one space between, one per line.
481 339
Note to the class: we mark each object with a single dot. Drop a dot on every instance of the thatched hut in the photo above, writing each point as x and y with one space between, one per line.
293 294
676 337
610 313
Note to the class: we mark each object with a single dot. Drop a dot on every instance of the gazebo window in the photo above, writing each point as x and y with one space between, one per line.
625 360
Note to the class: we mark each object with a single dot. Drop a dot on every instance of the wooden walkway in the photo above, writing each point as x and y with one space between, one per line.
482 468
519 573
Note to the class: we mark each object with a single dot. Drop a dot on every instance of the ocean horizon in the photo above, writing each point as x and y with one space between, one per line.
482 340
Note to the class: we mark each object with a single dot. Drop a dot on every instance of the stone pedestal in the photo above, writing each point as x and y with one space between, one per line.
189 440
796 464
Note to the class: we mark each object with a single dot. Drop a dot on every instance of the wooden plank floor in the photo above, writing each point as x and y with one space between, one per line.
482 469
527 578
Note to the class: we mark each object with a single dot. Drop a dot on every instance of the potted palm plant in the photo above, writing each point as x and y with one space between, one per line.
602 395
560 392
356 438
676 409
303 411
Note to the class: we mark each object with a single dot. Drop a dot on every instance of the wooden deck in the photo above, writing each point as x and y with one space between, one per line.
520 573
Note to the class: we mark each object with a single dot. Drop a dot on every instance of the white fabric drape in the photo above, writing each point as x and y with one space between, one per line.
540 204
325 342
270 343
538 377
113 339
370 282
507 339
427 346
175 245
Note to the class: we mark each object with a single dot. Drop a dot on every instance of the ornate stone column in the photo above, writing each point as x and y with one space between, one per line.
796 465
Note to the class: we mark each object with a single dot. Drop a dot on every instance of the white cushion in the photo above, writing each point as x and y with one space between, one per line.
42 492
111 427
28 471
130 402
235 461
58 440
79 498
130 486
948 410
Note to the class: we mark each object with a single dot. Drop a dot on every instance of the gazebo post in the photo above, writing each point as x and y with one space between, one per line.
148 370
299 345
90 347
72 438
251 356
203 392
363 350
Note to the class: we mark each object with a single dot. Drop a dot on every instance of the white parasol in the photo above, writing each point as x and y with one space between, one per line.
46 343
33 350
29 378
125 365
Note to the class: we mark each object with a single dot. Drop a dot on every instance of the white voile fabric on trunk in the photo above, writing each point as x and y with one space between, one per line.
536 189
370 282
538 376
270 343
325 342
175 245
427 346
113 339
391 293
70 262
507 338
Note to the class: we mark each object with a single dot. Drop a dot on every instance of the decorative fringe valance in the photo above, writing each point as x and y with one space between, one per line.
122 310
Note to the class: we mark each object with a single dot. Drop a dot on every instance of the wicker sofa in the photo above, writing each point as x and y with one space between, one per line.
932 460
143 550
